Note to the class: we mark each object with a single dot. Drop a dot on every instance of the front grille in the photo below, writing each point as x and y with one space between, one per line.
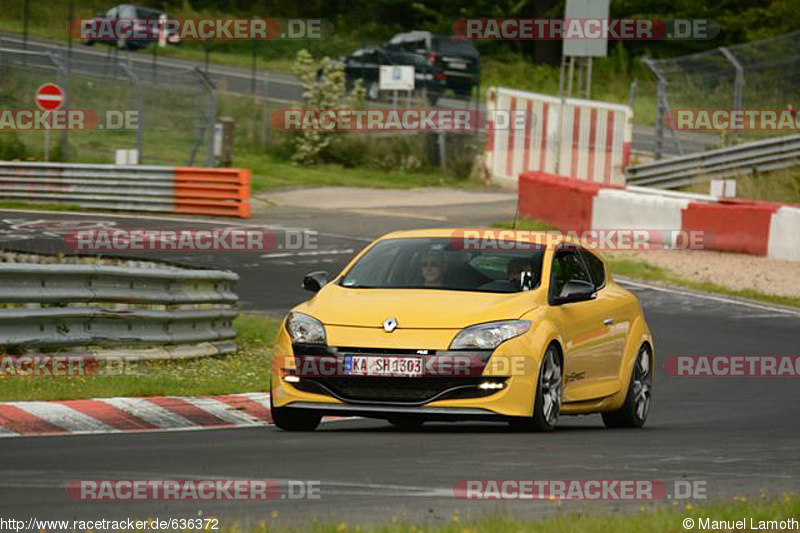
396 389
390 390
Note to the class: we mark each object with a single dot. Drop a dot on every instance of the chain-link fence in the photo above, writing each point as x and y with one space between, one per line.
755 75
172 110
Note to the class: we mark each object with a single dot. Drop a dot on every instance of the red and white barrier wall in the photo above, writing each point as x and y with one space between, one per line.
594 143
757 228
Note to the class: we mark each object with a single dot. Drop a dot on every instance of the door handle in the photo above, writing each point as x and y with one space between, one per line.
608 321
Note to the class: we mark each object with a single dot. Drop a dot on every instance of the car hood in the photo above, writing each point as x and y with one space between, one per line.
414 308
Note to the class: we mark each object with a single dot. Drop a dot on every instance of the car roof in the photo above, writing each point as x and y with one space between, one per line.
496 233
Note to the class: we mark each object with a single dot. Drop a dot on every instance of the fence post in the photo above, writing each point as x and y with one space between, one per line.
140 107
661 110
63 81
212 115
738 84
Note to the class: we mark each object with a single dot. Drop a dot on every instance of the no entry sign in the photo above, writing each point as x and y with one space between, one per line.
49 97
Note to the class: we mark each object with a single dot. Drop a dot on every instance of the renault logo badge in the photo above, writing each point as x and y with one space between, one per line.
389 324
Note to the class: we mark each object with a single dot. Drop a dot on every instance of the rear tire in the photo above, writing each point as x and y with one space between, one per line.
633 413
547 406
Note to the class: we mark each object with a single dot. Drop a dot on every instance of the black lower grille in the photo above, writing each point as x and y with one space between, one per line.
396 389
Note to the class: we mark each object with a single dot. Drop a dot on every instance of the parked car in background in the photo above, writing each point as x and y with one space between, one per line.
144 17
457 61
365 64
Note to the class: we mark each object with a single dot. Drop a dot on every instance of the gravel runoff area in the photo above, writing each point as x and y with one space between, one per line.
733 271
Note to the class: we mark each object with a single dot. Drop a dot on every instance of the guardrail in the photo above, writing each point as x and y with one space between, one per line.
740 160
183 190
155 313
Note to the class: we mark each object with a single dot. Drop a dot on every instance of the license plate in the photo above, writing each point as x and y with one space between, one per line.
378 365
458 65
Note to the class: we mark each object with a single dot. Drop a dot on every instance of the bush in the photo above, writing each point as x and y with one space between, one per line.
11 147
324 87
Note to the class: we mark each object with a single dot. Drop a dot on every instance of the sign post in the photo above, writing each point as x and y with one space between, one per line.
583 50
49 97
396 78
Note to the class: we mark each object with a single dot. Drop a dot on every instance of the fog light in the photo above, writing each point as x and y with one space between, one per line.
291 379
491 385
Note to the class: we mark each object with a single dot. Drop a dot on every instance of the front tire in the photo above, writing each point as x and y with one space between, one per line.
633 413
547 406
289 419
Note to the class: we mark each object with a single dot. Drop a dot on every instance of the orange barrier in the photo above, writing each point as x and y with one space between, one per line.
741 227
556 200
212 191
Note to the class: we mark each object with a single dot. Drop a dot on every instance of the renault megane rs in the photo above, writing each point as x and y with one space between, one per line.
434 325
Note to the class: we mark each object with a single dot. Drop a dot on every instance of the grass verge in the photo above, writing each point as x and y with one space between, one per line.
778 186
270 173
40 207
642 270
244 371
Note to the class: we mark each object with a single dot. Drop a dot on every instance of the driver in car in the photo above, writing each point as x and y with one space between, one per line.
433 269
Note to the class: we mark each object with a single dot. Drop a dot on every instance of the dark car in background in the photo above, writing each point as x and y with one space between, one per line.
456 61
365 64
143 18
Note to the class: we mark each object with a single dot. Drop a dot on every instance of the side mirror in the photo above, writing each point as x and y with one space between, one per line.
315 281
576 291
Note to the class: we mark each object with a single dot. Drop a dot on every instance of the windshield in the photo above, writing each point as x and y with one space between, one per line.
457 47
436 264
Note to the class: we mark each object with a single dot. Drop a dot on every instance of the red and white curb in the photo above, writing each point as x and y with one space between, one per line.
133 415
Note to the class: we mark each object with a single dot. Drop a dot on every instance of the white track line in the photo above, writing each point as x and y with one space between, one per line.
151 413
65 417
314 253
711 297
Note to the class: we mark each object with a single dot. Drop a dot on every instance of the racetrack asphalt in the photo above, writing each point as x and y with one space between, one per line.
738 435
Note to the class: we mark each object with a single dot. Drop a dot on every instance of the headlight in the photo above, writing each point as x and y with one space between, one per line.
489 336
305 329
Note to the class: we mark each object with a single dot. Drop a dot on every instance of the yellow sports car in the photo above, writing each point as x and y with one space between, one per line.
454 324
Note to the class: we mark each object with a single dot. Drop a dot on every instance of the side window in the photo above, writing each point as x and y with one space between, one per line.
596 269
567 266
